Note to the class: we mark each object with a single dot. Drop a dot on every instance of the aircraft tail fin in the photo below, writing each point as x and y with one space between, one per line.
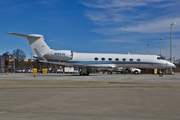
36 41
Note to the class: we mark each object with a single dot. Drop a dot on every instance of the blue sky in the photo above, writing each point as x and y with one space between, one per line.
103 26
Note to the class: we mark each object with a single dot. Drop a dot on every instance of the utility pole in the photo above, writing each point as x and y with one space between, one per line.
171 46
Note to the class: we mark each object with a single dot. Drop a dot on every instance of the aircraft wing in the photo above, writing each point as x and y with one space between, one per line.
86 65
40 57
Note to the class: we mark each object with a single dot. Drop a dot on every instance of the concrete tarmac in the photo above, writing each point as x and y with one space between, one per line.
97 97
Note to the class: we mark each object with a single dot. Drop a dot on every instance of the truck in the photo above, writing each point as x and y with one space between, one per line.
66 70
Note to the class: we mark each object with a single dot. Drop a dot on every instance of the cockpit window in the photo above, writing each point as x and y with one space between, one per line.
158 58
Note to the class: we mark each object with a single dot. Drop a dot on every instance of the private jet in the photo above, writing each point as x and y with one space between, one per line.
88 61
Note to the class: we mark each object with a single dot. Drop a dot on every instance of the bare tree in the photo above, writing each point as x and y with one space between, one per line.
19 55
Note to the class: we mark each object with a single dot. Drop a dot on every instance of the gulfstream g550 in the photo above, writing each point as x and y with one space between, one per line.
87 61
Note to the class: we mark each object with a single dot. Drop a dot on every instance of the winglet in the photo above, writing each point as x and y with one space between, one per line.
40 57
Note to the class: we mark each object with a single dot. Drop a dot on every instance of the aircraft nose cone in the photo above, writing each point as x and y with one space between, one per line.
171 65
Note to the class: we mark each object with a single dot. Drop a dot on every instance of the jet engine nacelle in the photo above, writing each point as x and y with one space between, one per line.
62 55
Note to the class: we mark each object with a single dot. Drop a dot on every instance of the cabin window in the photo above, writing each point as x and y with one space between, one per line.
102 59
138 60
124 59
96 58
131 59
117 59
110 59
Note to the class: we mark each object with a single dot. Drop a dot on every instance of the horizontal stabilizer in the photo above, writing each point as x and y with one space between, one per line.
23 35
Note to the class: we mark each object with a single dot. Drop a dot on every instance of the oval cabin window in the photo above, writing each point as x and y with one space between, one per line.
117 59
124 59
102 59
96 58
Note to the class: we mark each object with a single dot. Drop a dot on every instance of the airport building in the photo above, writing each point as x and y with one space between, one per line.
7 61
2 62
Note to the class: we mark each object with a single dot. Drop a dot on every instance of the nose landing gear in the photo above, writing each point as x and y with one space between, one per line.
161 73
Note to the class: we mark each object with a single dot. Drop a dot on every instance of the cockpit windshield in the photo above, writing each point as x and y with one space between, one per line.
160 58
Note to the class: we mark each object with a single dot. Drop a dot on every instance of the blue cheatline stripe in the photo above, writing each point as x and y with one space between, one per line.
105 62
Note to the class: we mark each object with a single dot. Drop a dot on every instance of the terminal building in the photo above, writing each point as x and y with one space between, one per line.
7 61
2 62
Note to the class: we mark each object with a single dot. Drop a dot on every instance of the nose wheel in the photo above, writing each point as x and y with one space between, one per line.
160 73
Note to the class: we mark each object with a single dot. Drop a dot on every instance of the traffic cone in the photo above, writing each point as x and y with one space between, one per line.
7 73
34 74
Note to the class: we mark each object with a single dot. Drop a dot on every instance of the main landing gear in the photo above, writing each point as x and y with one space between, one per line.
109 72
83 71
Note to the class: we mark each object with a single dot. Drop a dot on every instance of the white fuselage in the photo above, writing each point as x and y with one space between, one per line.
117 60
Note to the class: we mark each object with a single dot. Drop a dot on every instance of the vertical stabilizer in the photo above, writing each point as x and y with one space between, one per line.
36 41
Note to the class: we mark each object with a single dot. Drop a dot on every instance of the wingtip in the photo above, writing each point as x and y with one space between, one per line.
8 32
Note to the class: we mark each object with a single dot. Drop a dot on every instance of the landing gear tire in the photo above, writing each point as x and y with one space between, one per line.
160 74
82 74
124 72
109 72
87 73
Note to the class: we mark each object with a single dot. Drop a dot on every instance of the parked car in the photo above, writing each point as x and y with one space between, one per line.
18 70
1 71
52 70
134 70
39 70
9 70
60 70
23 70
28 70
128 70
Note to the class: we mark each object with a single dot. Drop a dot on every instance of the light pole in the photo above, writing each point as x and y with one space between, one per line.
171 43
147 48
160 45
171 46
14 62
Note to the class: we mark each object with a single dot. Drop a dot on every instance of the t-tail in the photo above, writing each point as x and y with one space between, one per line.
37 43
